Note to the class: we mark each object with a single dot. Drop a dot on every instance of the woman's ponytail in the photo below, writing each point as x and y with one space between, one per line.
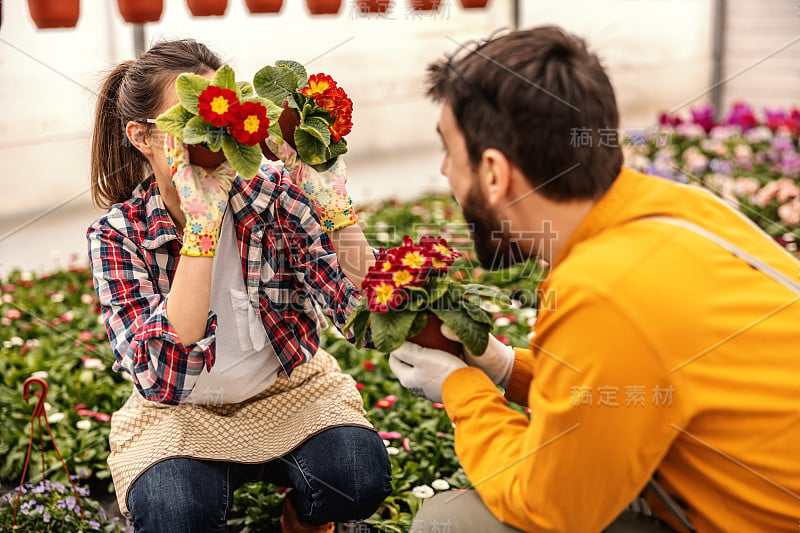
133 92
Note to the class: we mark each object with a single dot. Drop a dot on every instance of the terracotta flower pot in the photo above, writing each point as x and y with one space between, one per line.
264 6
431 337
373 6
207 8
203 156
140 11
55 13
426 5
288 121
473 4
324 7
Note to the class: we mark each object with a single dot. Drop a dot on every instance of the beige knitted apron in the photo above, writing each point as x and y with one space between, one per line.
317 397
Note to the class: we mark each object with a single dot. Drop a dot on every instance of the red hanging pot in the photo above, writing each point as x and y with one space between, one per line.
473 4
54 13
374 6
207 8
264 6
426 5
140 11
324 7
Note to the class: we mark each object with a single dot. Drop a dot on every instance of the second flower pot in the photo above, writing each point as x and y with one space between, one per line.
204 157
431 337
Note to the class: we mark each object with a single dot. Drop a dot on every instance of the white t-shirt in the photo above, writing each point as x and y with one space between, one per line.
245 363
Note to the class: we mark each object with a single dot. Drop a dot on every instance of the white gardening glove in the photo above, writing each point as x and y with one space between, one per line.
496 362
423 370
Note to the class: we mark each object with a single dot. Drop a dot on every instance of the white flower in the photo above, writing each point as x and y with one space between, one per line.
47 406
7 344
382 236
440 484
391 450
84 424
5 321
40 374
100 319
386 443
502 322
56 417
423 491
87 299
33 343
7 298
57 297
17 341
93 364
26 276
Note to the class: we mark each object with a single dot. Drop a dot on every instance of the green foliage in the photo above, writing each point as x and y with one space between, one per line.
189 86
245 159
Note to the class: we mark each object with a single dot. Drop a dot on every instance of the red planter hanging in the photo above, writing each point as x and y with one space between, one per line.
207 8
55 13
473 4
373 6
426 5
324 7
140 11
264 6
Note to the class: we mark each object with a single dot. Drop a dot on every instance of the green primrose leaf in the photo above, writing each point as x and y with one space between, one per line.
245 89
420 321
390 330
189 86
318 128
360 328
474 335
361 307
296 67
173 120
310 149
244 159
333 151
225 78
276 83
196 130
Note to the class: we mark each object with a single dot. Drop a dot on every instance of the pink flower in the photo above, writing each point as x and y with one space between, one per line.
102 417
390 434
392 398
13 314
84 412
789 213
383 404
369 365
86 336
438 405
502 339
406 444
360 386
746 186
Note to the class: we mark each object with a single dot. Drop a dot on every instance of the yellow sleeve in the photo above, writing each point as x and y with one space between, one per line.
572 467
521 376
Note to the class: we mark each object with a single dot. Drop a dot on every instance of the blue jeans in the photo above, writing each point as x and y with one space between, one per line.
338 475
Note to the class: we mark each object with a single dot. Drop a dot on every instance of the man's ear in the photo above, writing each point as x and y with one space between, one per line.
494 172
138 136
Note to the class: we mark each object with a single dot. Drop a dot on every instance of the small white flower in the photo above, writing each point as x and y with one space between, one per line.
83 424
56 417
7 298
47 406
57 297
40 374
100 320
440 484
7 344
386 443
502 322
26 276
391 450
17 341
382 236
5 321
33 343
423 491
87 299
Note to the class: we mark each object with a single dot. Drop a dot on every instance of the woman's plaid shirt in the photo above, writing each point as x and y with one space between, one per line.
289 266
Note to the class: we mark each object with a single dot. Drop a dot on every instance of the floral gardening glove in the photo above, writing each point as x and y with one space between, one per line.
203 196
325 190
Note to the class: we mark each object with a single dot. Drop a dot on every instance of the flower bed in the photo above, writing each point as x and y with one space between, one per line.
50 323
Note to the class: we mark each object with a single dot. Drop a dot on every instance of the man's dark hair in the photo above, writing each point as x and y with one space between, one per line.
532 94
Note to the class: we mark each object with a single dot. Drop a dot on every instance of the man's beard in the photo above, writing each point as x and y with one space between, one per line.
493 243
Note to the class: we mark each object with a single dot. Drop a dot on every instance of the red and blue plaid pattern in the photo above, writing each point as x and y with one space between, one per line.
289 266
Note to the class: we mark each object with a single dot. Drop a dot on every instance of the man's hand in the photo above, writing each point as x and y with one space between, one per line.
423 370
496 362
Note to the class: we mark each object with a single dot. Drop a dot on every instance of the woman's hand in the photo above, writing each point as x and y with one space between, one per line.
203 197
325 190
